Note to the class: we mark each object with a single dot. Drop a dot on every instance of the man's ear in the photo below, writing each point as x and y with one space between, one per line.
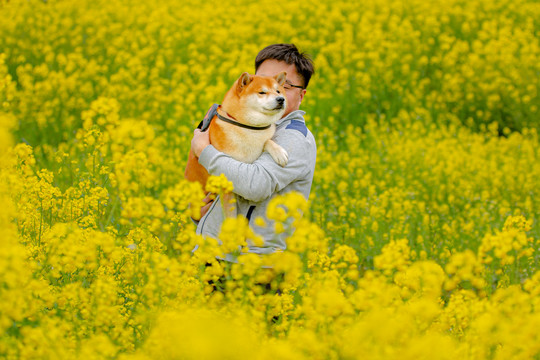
281 77
243 81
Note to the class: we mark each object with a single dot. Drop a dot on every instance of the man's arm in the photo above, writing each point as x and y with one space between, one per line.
262 178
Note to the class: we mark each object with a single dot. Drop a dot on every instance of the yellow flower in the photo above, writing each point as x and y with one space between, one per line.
219 185
394 256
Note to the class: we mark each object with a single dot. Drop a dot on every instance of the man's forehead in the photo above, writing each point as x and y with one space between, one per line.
272 75
276 66
269 75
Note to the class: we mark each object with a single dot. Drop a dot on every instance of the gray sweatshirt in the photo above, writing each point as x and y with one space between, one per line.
257 183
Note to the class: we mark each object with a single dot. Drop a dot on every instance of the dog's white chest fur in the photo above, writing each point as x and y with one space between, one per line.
248 144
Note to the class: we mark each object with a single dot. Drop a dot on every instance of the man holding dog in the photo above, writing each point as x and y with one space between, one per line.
257 183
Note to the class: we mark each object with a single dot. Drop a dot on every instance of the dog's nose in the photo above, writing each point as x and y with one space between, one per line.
280 100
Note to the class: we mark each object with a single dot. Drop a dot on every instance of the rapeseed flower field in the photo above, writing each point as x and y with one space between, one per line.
420 238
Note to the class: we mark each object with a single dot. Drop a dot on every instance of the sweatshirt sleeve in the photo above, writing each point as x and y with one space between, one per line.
262 178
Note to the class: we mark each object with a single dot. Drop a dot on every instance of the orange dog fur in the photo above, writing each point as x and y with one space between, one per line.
253 101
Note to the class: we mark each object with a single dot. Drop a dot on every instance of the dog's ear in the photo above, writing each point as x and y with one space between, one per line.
243 81
281 77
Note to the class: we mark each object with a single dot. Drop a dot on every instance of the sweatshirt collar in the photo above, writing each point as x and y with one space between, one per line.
293 115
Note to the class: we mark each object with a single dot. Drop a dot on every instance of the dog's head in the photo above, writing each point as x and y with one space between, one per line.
261 99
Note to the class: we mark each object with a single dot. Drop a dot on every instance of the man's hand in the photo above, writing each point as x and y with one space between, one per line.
201 139
208 201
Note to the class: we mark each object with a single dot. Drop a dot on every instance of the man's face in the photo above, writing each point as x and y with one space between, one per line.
294 95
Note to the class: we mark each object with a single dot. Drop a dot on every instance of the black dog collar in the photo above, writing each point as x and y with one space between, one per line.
233 122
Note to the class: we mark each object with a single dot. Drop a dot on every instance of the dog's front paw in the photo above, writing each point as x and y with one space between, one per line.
279 154
281 157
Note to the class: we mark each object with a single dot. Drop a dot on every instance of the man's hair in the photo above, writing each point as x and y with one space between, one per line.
288 53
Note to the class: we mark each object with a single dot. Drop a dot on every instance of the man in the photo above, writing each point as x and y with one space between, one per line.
257 183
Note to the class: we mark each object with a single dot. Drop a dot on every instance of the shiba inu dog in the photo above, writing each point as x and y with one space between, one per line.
244 124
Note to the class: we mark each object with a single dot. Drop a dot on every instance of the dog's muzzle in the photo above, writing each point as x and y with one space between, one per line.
280 101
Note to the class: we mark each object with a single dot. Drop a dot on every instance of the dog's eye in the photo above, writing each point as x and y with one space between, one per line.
279 92
262 92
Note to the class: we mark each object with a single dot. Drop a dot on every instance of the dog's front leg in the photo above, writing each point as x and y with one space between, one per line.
278 153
